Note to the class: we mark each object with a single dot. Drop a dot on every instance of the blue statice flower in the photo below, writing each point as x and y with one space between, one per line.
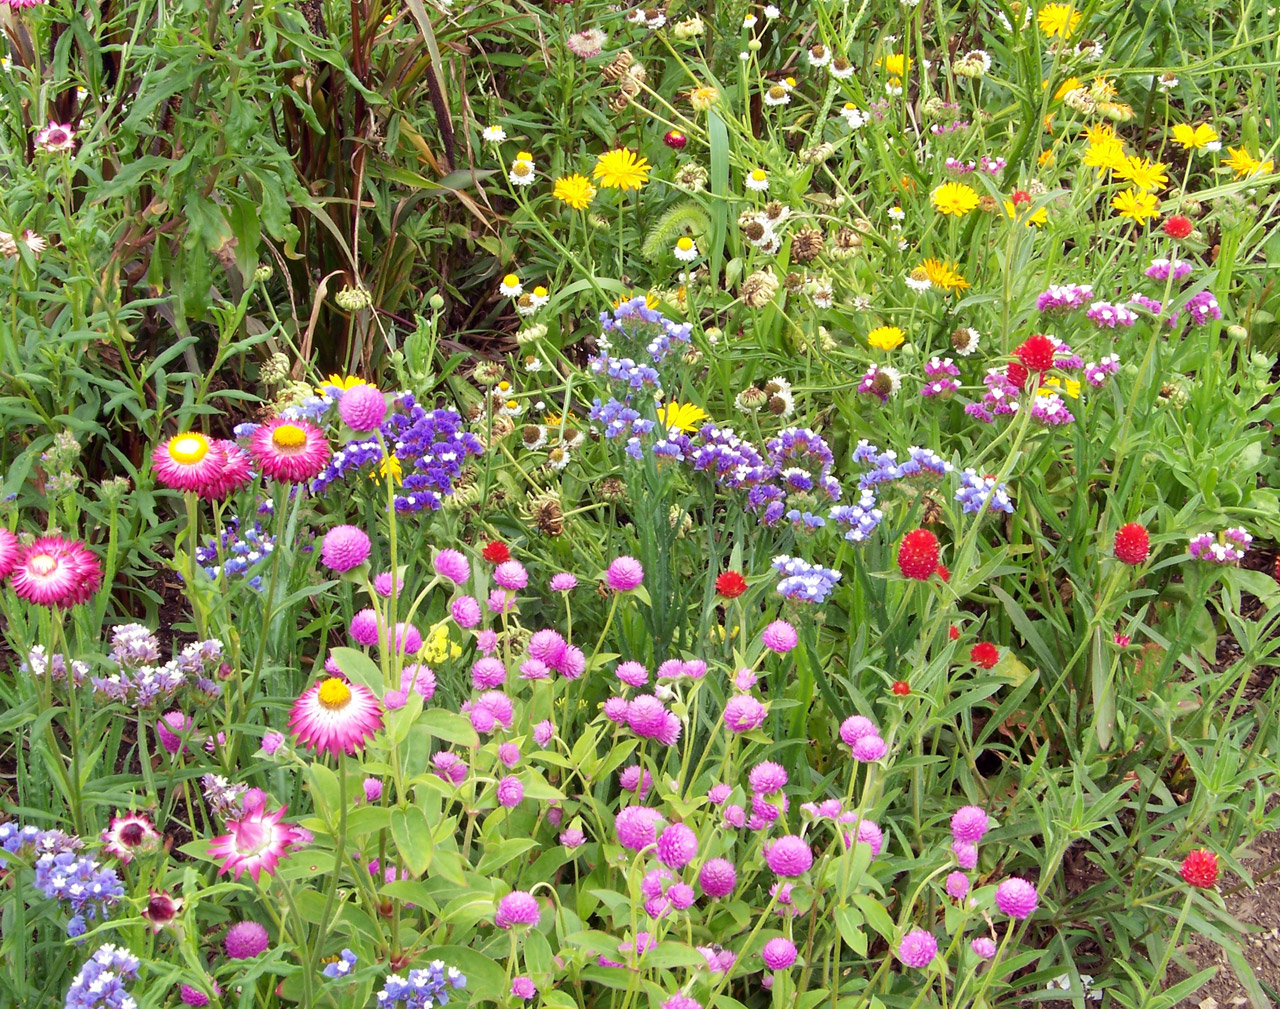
349 458
313 408
342 966
433 447
858 520
631 332
100 982
82 882
16 839
39 663
732 462
885 467
975 491
802 581
621 420
424 988
241 549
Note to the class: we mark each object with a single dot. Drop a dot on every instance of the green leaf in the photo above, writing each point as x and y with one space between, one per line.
449 726
412 834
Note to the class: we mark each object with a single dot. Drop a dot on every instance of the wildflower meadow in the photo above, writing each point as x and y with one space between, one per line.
573 504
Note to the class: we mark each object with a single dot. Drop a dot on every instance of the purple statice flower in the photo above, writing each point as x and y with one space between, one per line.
433 447
802 581
223 796
1105 315
88 887
918 948
1001 398
940 377
976 491
142 687
1097 373
732 462
342 966
1162 268
134 646
992 166
100 983
1228 547
1202 307
957 167
425 986
1051 411
1064 297
347 459
923 464
37 664
858 521
619 420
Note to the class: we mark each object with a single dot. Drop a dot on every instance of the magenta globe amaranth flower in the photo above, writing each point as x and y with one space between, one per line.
855 727
362 407
681 1002
624 574
364 628
869 749
510 792
517 908
452 565
969 823
170 728
983 947
681 896
677 846
778 953
511 575
789 855
767 777
957 885
465 611
637 827
563 582
544 732
717 877
245 940
743 713
194 997
633 674
779 637
966 853
488 673
918 948
345 548
868 833
1016 897
523 988
335 716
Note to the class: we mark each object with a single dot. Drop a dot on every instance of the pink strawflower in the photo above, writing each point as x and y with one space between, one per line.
245 940
510 792
54 571
362 407
677 846
633 674
511 575
778 953
855 727
637 826
345 548
255 843
452 565
744 713
957 885
189 462
983 947
335 716
717 877
237 470
1016 897
289 451
130 835
488 673
563 582
517 908
918 948
56 136
969 823
966 853
779 637
10 551
767 777
465 611
171 727
789 855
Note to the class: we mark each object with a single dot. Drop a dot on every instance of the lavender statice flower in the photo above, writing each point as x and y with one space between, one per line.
858 521
975 491
1064 297
1001 398
342 966
992 166
236 552
732 462
636 323
434 448
38 664
940 377
1202 307
87 886
1051 410
351 457
224 797
141 688
1162 268
422 988
134 646
1228 547
100 983
923 463
802 581
1105 315
1156 308
1097 373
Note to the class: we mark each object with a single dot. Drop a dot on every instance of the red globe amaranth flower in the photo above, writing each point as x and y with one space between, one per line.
918 554
496 552
1036 352
1200 868
1178 226
1016 374
731 584
675 140
1132 543
985 654
944 572
1021 196
901 687
953 632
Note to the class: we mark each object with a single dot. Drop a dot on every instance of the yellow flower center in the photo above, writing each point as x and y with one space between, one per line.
288 436
43 565
511 280
540 292
334 694
759 175
684 244
524 156
188 449
504 385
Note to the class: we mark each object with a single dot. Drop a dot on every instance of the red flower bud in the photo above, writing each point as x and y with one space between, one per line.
675 140
1178 226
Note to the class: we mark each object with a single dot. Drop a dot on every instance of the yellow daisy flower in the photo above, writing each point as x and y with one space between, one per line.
390 465
944 275
1058 20
897 64
1037 218
1142 172
1054 385
886 337
621 169
1245 164
1194 138
1070 84
685 416
1105 156
954 198
575 190
1135 205
340 382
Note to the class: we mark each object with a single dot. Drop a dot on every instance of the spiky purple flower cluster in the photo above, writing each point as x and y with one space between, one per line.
100 983
433 447
1105 315
240 550
940 377
1202 307
1228 547
802 581
16 839
858 520
732 462
921 463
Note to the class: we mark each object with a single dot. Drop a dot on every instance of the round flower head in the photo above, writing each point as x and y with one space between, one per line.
780 637
362 407
488 673
870 834
637 827
383 584
969 823
344 548
563 582
547 646
918 554
957 885
646 716
730 584
129 835
855 727
983 947
53 571
615 709
918 948
574 663
510 792
364 628
289 451
681 896
255 843
465 611
778 953
717 877
408 639
1200 868
789 855
633 674
517 908
10 551
523 988
767 777
452 565
245 940
966 853
544 732
677 846
335 716
1132 544
511 575
188 462
1016 897
869 749
744 713
56 136
681 1002
170 728
624 574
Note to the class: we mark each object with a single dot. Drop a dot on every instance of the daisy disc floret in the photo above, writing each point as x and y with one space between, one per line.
335 716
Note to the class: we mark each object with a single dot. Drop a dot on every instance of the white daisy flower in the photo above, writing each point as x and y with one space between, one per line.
686 249
757 180
494 134
511 286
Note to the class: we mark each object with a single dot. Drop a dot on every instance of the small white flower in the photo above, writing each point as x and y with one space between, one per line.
494 134
841 69
822 57
686 249
919 286
897 214
539 296
757 180
749 21
777 95
558 458
853 116
1213 145
511 286
522 173
771 12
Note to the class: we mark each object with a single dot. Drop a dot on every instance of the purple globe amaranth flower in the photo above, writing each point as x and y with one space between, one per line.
172 726
523 988
778 953
364 628
510 792
717 795
717 877
734 815
362 407
637 827
743 713
677 846
573 665
344 548
511 575
966 853
969 823
624 574
488 673
450 767
868 833
648 717
869 749
681 896
517 908
245 939
465 611
573 838
408 639
547 646
563 582
272 741
957 885
544 732
1016 897
534 669
855 727
918 948
789 855
983 947
767 777
779 637
452 565
615 709
635 779
680 1002
372 789
633 674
